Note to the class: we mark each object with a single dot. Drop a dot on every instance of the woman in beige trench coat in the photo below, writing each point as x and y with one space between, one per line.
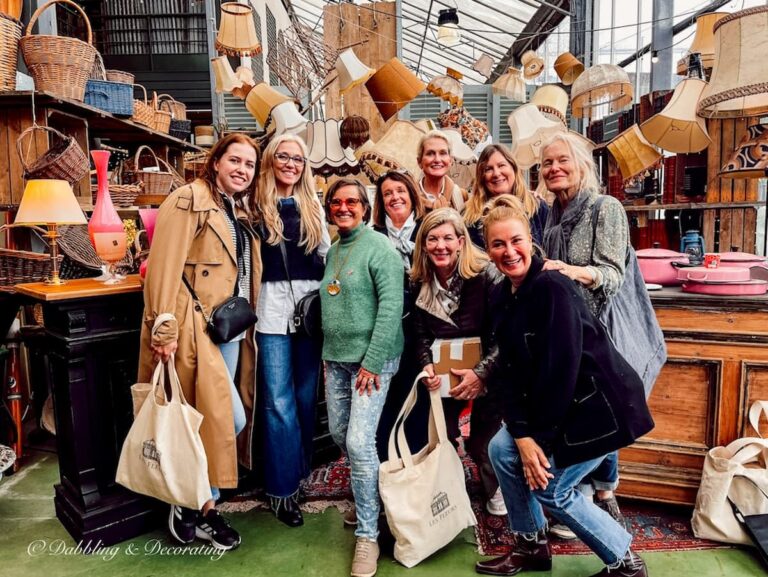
195 235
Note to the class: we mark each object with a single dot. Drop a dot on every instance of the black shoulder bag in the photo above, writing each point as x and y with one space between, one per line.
306 312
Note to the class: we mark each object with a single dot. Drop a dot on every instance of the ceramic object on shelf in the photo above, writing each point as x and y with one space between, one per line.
105 228
657 265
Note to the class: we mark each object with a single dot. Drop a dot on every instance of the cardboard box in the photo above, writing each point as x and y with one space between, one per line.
447 354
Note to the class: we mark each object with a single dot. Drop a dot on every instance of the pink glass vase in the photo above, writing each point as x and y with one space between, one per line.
105 227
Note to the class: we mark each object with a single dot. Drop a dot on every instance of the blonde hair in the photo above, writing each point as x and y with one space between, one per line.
266 202
582 157
502 208
476 205
471 262
429 136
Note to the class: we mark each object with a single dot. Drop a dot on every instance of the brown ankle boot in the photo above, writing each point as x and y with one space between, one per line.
533 555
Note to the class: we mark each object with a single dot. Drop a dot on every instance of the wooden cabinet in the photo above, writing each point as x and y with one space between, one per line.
717 366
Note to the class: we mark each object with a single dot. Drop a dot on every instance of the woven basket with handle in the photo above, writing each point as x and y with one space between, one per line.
143 113
156 181
64 160
120 76
161 121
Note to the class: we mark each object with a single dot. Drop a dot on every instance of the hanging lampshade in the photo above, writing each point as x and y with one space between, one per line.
552 102
739 82
568 68
237 31
352 72
703 42
448 33
530 129
326 154
397 149
633 152
392 87
484 65
448 87
245 75
510 85
354 131
750 159
598 85
262 99
225 77
459 149
532 65
677 128
287 119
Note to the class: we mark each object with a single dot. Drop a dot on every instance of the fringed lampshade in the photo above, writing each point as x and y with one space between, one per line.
703 42
750 159
225 77
633 152
392 87
398 148
568 68
326 155
484 65
237 30
510 85
287 119
532 65
448 87
354 131
677 128
262 99
352 72
552 102
739 82
598 85
530 129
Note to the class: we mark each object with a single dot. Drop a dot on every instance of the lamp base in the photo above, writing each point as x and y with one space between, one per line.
55 282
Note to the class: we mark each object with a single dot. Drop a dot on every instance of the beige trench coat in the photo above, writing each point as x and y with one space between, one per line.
192 235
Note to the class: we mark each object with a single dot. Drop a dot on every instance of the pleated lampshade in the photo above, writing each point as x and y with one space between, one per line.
568 68
510 85
530 129
237 30
598 85
354 131
397 149
633 152
262 99
750 159
532 65
677 128
703 42
326 155
225 77
739 82
392 87
552 101
483 65
352 72
448 87
287 119
245 75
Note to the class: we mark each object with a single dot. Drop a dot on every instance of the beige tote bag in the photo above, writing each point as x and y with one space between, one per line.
163 454
140 391
721 478
425 497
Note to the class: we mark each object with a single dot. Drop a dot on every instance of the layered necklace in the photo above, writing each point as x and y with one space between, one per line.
334 287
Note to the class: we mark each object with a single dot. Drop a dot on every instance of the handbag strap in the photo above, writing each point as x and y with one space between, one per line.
755 410
284 255
736 511
158 381
196 300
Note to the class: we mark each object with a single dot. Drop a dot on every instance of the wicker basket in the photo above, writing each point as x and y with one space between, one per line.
162 118
122 195
179 127
120 76
19 266
80 259
113 97
59 65
10 32
64 160
143 113
178 109
156 182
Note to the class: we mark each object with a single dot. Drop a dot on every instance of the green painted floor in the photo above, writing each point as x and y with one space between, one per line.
33 543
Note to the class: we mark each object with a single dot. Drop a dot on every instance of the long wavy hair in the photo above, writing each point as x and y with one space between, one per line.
417 206
476 205
471 261
209 173
589 181
265 202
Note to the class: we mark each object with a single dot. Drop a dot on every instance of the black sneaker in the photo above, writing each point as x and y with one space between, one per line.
215 528
181 524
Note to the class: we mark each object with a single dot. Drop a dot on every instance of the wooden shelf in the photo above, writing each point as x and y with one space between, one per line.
78 288
690 205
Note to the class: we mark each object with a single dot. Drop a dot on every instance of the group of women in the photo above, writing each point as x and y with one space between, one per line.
423 271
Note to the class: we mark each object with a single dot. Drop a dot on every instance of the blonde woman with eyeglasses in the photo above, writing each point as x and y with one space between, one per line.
294 243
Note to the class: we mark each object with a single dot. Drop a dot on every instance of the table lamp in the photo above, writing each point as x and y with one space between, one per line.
50 203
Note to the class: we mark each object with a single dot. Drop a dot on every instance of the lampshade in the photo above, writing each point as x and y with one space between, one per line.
552 101
750 159
473 131
225 77
354 131
484 65
459 149
262 99
49 201
447 87
598 85
677 128
510 85
352 72
204 135
739 82
568 68
532 65
326 155
448 33
530 129
237 30
392 87
703 42
397 149
244 74
633 152
288 120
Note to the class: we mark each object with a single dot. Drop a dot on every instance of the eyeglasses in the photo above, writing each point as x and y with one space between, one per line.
284 158
389 173
350 202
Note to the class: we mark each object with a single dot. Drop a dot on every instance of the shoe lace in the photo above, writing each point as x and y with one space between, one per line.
362 549
217 522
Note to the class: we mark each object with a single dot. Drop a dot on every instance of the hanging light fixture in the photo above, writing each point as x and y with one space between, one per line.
703 42
484 65
352 72
532 63
447 87
392 87
750 159
552 102
262 99
448 33
530 129
398 148
598 85
677 128
326 155
568 68
226 80
633 152
287 119
237 30
510 85
654 56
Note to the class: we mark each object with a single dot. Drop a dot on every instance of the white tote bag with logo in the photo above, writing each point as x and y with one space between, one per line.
163 454
425 496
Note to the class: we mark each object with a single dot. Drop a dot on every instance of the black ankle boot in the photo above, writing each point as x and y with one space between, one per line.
629 566
526 555
286 510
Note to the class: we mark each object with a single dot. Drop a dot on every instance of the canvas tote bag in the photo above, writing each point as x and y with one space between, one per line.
738 472
140 391
163 455
425 497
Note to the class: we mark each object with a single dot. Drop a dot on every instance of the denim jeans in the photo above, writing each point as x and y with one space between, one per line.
231 353
289 366
604 478
596 528
352 420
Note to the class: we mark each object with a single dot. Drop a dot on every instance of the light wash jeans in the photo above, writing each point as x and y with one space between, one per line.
604 478
353 420
596 528
231 353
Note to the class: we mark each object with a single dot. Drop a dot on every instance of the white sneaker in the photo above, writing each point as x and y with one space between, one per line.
495 504
562 531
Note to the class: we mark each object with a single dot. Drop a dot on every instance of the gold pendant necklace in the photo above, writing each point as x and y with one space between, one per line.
334 287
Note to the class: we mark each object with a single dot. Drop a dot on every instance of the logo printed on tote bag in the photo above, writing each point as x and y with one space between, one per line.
441 508
151 454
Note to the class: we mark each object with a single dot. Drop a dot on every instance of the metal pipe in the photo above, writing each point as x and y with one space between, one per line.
424 36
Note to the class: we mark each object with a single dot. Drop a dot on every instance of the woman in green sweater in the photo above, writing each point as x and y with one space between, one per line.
362 303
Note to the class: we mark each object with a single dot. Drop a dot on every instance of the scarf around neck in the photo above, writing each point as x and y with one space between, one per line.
401 239
560 225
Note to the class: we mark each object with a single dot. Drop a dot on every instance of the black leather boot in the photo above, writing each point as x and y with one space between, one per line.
286 510
526 555
629 566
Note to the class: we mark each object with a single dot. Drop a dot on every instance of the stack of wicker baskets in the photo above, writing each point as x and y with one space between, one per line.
180 127
19 266
113 97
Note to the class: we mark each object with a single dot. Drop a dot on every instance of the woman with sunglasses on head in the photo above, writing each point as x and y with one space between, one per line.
294 243
435 160
497 173
361 297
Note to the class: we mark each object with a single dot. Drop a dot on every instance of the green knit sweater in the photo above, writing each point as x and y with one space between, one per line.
362 324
